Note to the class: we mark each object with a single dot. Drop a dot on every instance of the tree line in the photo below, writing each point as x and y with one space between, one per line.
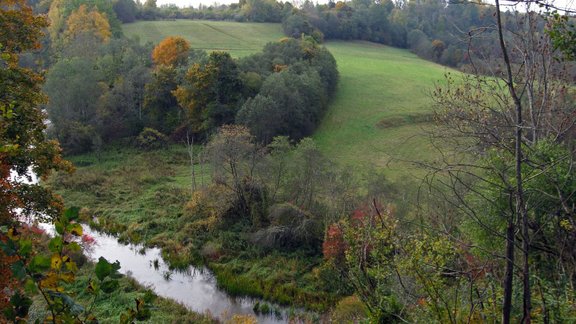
433 29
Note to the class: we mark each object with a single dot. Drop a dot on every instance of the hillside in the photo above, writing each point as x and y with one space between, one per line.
380 108
239 39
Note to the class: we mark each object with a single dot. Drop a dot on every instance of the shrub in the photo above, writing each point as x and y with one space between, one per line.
349 310
151 139
212 250
290 227
77 138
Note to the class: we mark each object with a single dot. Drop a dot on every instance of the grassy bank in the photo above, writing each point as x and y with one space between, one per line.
125 187
108 307
141 197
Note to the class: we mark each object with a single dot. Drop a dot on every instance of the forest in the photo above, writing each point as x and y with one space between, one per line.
216 160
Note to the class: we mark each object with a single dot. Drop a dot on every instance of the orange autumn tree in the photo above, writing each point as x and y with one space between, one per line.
172 51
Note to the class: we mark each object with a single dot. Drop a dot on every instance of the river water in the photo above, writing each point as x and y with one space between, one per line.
195 288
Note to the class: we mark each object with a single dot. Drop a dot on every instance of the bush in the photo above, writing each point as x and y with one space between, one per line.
207 209
290 227
349 310
77 138
212 250
151 139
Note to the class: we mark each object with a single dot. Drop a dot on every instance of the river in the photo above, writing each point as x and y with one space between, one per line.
195 288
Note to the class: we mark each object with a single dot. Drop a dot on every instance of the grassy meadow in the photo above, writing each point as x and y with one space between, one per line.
380 109
240 39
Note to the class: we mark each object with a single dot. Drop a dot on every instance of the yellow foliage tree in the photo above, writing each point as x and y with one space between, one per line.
171 51
56 19
90 22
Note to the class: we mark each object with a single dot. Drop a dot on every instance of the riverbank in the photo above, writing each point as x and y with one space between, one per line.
141 197
108 307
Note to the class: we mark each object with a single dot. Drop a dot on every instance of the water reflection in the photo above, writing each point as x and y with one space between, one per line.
195 287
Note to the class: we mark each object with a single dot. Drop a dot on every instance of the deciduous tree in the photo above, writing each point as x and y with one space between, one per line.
85 21
172 51
502 119
23 145
210 92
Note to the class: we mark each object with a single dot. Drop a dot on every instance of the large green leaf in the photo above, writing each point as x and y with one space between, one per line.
55 244
18 270
25 247
110 286
103 268
72 213
39 263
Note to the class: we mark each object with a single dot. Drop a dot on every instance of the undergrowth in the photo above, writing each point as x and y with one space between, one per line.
139 196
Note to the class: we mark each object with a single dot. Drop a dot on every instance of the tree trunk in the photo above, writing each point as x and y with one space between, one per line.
509 276
520 205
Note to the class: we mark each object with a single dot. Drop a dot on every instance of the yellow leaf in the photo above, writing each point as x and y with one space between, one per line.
70 265
13 234
75 229
67 277
55 262
51 281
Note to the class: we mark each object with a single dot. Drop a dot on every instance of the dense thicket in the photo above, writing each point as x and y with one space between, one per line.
293 99
116 88
97 98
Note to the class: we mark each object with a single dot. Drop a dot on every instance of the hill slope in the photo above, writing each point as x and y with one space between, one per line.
381 105
239 39
380 108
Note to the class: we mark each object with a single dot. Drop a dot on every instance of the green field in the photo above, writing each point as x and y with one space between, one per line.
239 39
380 107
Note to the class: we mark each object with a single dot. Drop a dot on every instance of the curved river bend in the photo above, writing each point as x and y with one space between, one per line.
195 288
